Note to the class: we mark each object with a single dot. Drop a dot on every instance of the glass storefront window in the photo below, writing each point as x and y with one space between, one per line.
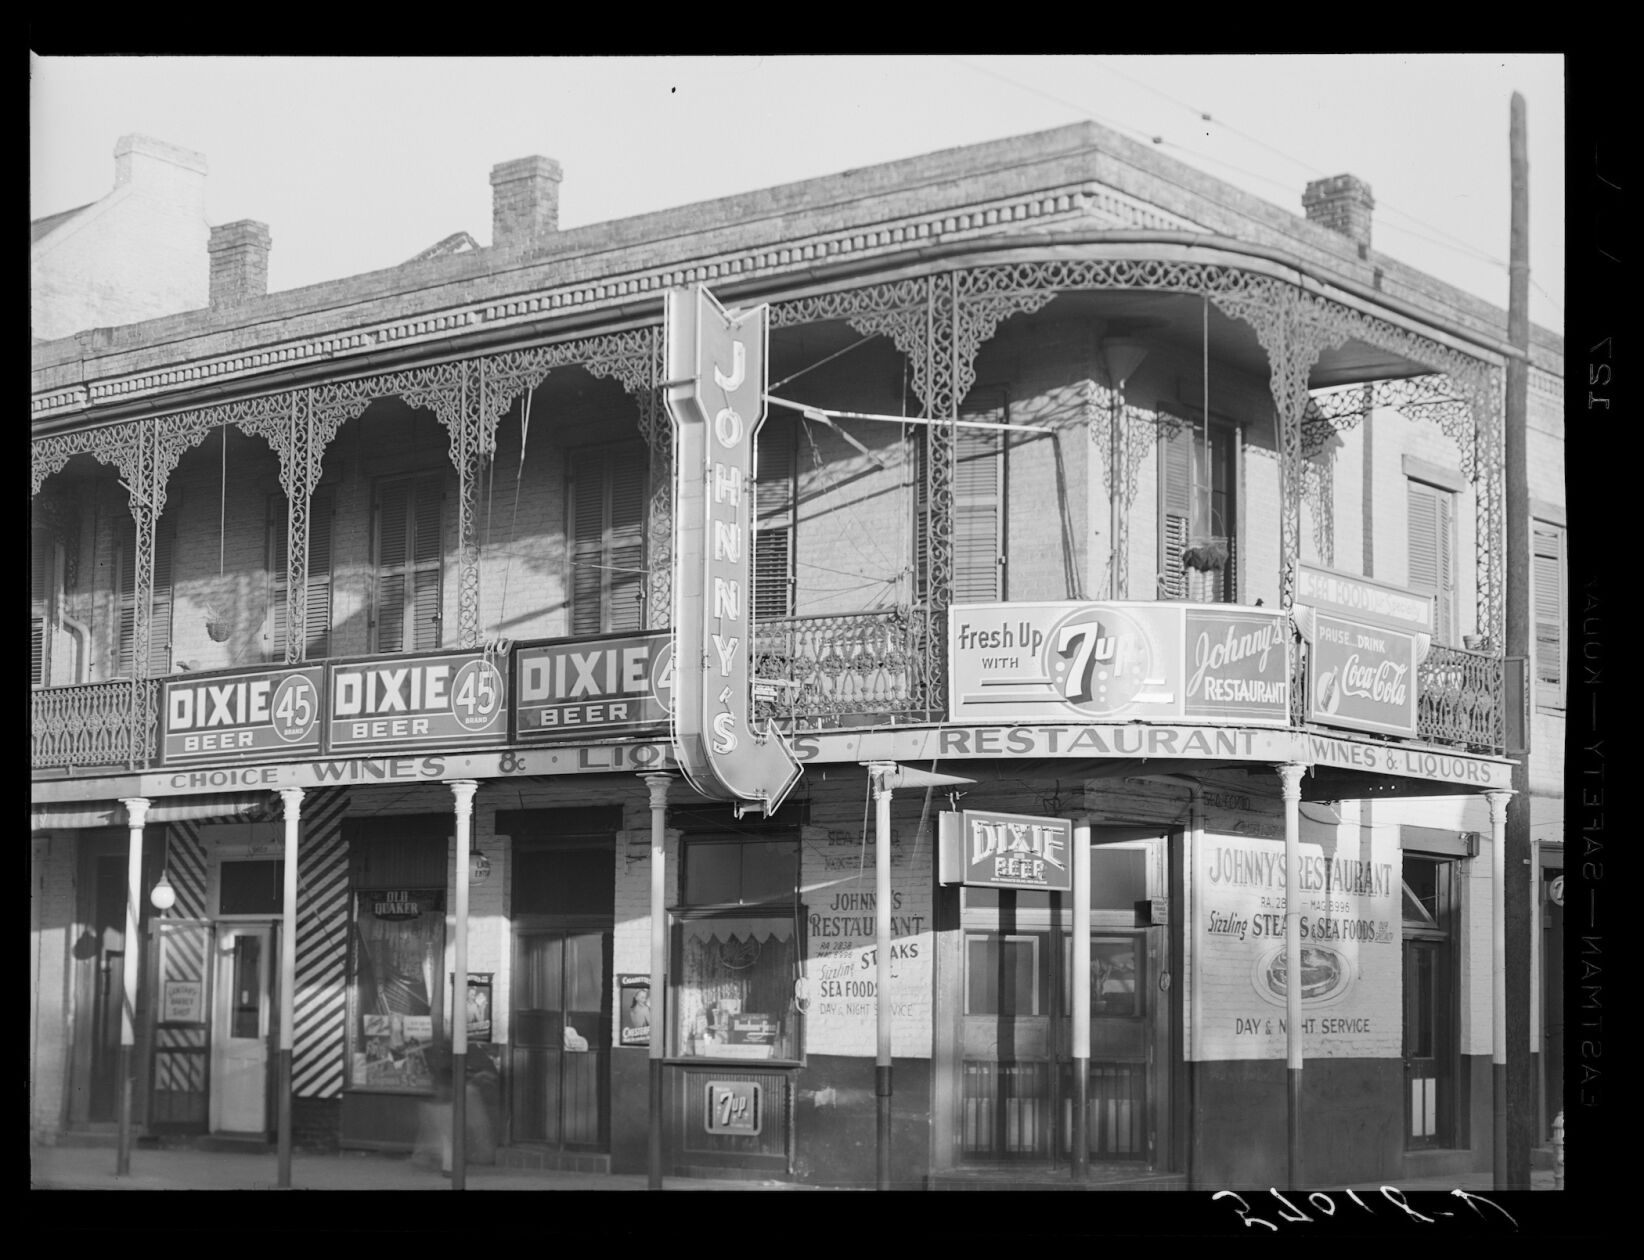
734 993
397 966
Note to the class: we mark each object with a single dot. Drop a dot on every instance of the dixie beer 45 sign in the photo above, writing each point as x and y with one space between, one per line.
415 702
581 688
240 717
982 849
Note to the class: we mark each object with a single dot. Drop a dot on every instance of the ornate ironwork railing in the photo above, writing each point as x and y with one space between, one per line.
1460 699
858 668
97 724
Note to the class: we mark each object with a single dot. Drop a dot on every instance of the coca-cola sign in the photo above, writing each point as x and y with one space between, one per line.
1362 676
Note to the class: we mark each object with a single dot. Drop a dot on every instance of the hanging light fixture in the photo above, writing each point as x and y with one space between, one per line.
163 896
479 866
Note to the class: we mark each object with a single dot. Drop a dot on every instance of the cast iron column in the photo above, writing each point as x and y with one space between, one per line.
136 813
1290 777
292 799
463 790
1498 982
658 784
1080 980
881 771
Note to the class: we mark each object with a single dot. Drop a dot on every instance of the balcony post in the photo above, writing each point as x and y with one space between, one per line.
658 784
1290 776
1498 980
881 773
136 815
292 799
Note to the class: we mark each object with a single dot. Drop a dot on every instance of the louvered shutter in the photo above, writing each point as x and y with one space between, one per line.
317 634
1549 613
774 506
979 500
41 582
1175 509
159 635
607 514
1430 552
921 520
409 565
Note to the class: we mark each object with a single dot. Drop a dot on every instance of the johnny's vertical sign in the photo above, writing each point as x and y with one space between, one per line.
716 397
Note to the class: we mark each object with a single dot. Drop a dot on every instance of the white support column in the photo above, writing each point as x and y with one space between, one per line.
1080 980
1498 981
292 799
136 815
1290 777
881 773
463 791
658 785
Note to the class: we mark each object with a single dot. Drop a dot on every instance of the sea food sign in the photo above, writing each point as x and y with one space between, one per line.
1119 662
982 849
586 688
404 702
208 719
716 398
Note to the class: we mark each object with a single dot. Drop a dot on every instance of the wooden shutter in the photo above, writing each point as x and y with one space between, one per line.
42 582
1176 452
317 634
774 508
159 638
979 499
1548 585
607 505
1431 566
410 562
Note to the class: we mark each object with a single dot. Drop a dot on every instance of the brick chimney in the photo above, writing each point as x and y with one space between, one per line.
239 261
1343 204
524 200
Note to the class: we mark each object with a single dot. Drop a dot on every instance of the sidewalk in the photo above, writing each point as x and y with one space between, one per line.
92 1168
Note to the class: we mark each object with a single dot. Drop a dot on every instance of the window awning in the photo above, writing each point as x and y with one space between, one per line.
220 806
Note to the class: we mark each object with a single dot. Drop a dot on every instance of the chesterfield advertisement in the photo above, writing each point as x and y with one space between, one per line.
1351 937
1119 662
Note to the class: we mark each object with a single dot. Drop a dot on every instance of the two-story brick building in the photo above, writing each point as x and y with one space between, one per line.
1089 488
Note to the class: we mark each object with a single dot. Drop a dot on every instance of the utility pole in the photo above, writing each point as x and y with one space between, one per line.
1515 1096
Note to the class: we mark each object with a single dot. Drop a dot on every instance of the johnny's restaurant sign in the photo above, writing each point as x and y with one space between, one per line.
982 849
1119 661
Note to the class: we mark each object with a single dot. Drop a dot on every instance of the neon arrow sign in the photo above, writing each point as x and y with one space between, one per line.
716 396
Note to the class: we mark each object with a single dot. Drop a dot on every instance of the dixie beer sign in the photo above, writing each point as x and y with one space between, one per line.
982 849
415 702
716 399
240 717
586 688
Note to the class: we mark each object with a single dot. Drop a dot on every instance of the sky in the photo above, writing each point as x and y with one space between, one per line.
356 164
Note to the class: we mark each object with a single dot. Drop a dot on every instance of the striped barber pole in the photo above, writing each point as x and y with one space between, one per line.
185 934
322 946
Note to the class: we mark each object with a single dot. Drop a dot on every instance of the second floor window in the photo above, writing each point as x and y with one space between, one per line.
774 507
317 634
607 531
1432 517
1197 511
1548 581
44 593
407 602
979 499
159 632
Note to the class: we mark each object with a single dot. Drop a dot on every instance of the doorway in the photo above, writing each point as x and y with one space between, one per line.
561 1038
1015 1073
242 1011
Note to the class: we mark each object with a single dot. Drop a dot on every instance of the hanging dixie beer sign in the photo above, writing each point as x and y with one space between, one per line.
587 688
415 702
716 397
1119 662
981 849
240 717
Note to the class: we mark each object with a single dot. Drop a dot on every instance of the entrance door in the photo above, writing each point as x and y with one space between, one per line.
1015 1096
561 1038
106 954
241 1024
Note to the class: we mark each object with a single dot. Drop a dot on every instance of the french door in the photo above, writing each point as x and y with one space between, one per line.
561 1040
